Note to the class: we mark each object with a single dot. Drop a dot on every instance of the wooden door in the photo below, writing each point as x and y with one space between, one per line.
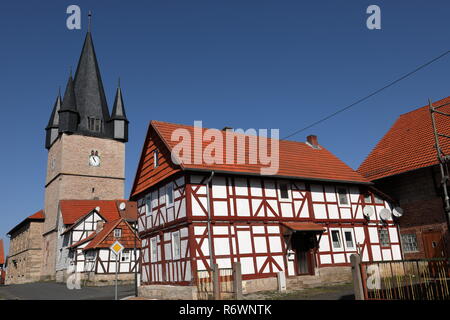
433 244
302 243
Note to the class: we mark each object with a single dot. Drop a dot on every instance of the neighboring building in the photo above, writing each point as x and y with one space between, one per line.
404 164
25 250
87 229
305 220
2 263
86 147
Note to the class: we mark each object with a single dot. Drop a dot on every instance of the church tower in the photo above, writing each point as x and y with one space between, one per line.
86 147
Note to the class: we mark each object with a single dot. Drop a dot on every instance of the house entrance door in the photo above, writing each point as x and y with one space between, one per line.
433 244
303 244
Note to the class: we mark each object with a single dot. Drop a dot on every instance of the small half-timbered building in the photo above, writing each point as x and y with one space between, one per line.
305 220
87 229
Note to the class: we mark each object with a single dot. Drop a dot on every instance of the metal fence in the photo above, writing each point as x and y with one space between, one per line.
422 279
205 284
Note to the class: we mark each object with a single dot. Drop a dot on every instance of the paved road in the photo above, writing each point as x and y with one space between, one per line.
59 291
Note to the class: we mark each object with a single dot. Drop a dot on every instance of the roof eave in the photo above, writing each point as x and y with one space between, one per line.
368 183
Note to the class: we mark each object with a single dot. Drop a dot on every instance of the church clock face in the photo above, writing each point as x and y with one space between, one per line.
94 159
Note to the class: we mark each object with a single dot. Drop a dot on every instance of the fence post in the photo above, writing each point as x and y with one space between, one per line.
357 280
216 288
237 281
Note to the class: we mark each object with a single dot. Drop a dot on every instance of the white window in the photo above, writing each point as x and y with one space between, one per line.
284 190
169 194
155 158
90 255
336 239
125 256
342 195
176 245
154 250
409 242
148 205
348 236
117 233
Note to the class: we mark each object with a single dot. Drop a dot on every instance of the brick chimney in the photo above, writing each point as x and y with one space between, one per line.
312 140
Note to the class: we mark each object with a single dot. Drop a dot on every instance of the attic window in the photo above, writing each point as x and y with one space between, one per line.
95 124
117 233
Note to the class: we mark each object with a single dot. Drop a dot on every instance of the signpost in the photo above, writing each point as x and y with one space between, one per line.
117 248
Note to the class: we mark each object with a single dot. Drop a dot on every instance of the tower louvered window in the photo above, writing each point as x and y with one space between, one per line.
95 124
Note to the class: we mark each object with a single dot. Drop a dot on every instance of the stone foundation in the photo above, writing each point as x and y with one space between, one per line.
263 284
323 277
167 292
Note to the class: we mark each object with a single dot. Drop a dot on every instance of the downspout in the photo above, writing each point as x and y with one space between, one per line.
208 208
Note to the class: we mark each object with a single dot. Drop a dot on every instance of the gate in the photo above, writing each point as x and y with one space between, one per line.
228 283
205 284
420 279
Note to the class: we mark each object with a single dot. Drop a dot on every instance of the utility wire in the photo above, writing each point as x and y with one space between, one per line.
370 95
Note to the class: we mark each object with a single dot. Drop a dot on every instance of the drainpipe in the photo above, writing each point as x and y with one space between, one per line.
208 208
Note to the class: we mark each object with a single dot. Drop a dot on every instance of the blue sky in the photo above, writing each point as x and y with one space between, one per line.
239 63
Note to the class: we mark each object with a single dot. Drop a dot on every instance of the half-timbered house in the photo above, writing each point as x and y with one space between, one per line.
87 229
306 220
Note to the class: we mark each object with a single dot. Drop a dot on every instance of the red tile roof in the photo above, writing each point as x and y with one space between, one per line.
409 144
103 239
38 216
2 253
297 159
107 228
73 210
304 226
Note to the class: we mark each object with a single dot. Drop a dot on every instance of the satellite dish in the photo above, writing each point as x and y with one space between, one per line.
368 211
97 209
122 206
398 212
385 214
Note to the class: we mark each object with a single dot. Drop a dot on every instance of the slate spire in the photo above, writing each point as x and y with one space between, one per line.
84 109
52 128
68 113
119 119
90 95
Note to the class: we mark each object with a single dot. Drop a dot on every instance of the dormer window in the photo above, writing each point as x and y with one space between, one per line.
95 124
